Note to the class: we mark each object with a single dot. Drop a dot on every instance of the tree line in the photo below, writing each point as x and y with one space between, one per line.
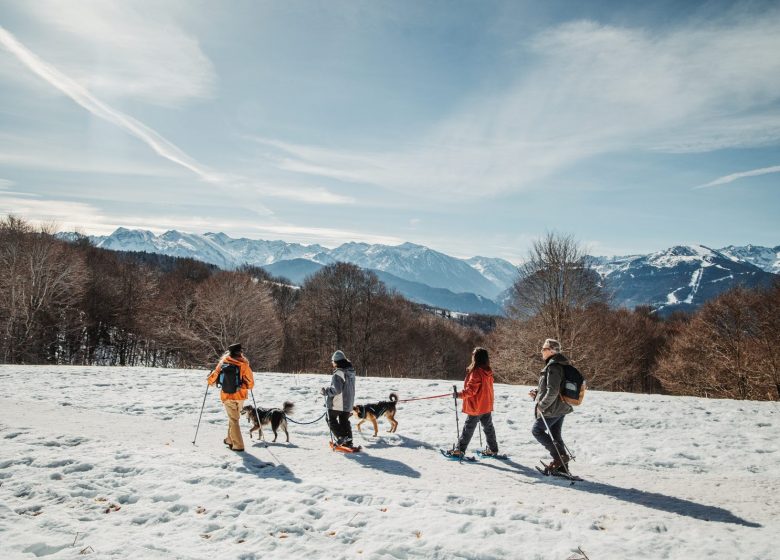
72 303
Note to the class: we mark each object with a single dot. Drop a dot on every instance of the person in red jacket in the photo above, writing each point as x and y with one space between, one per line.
477 395
234 402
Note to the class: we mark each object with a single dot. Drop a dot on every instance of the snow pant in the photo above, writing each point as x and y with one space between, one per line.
470 425
340 426
541 435
233 409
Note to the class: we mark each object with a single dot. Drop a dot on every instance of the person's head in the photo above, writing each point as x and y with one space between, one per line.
550 348
235 350
337 357
479 358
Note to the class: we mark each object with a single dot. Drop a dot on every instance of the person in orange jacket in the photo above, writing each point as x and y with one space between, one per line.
236 380
477 395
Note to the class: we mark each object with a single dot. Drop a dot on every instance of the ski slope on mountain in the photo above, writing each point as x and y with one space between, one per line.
97 460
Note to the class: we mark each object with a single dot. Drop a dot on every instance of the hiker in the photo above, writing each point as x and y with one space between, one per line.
340 399
549 404
477 395
235 380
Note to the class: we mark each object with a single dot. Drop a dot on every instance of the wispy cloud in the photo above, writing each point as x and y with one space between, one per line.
588 90
67 214
89 102
159 144
59 154
121 49
736 176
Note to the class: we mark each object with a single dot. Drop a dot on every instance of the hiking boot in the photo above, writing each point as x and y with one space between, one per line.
454 453
487 452
559 464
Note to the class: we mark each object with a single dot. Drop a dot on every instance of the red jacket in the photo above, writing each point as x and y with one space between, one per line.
477 393
247 379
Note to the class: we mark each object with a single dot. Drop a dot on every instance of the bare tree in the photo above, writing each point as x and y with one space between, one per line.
234 307
556 285
337 309
721 352
40 279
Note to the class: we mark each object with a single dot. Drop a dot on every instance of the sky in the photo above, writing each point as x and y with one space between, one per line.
470 127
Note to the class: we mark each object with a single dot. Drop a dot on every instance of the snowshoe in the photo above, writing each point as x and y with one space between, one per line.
454 455
487 454
345 448
548 471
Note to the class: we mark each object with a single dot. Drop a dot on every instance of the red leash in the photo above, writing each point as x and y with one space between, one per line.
425 398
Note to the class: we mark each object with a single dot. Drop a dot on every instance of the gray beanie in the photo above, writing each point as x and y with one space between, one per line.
552 344
337 356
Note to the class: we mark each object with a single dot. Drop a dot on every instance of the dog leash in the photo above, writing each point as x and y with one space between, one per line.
304 423
426 398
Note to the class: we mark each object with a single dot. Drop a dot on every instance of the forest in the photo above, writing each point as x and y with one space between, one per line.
72 303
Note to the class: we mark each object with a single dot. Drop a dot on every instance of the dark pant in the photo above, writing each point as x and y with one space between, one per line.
539 432
468 430
340 426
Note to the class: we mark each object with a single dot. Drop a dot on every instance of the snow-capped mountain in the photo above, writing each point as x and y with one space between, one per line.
498 271
765 258
678 278
485 277
214 248
681 277
418 264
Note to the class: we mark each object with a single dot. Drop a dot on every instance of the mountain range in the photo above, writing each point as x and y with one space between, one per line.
681 277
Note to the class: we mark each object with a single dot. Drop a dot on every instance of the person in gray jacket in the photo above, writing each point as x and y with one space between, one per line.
550 405
341 398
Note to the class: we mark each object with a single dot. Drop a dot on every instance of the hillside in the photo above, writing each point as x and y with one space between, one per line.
101 460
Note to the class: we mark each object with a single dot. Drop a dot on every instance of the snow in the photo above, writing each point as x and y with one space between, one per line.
101 460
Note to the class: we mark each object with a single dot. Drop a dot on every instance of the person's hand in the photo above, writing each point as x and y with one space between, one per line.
532 393
324 391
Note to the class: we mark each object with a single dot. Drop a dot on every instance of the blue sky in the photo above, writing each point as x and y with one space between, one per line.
469 127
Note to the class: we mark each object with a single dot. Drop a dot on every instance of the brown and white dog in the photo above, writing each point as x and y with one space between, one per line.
275 416
374 411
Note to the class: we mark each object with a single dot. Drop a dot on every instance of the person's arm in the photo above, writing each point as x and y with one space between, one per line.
472 386
553 390
247 377
336 384
214 374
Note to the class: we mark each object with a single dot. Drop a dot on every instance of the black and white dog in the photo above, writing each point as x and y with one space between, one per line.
274 416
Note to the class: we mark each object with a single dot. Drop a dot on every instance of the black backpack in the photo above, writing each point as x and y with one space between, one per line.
573 386
229 379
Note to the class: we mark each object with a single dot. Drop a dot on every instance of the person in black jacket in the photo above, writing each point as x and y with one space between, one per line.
550 405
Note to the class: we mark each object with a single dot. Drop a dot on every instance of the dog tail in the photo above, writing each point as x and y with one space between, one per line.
288 407
393 397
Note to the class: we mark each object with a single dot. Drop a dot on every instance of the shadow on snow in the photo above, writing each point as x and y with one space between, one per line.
652 500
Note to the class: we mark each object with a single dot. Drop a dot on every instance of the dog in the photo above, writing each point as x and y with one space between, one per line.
375 410
275 416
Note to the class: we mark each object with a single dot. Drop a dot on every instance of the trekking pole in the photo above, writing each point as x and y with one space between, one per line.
555 445
201 414
457 422
480 435
327 421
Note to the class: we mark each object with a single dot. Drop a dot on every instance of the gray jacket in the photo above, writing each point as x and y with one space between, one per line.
548 396
341 393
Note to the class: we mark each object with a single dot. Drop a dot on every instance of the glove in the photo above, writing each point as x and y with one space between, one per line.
324 391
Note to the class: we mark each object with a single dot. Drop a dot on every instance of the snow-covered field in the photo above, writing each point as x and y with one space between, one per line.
100 462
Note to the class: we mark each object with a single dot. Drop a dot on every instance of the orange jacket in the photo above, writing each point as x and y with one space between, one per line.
247 378
477 393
